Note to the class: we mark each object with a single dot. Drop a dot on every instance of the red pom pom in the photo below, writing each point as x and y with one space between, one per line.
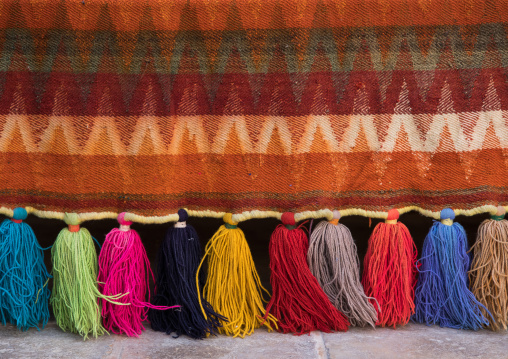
288 218
392 215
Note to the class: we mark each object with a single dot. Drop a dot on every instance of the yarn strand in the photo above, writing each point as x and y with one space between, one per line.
233 287
24 293
178 261
298 302
489 270
333 260
389 271
75 290
442 294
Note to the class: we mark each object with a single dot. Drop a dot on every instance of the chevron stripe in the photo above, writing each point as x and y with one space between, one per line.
274 94
488 126
446 49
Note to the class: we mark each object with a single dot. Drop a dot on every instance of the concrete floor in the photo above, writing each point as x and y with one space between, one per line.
411 341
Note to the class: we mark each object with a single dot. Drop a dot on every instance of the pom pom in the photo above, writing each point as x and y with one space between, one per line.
178 261
288 219
500 213
228 219
393 215
19 214
182 215
447 213
389 273
442 295
298 302
122 221
333 260
233 287
71 219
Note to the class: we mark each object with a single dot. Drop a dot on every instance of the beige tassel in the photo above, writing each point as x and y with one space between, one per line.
333 260
489 269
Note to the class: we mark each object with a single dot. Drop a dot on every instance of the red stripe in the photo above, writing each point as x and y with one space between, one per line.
188 95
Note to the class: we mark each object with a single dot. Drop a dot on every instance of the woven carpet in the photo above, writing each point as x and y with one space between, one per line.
242 105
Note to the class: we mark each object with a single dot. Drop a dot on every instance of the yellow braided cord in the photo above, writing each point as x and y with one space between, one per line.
233 287
447 221
244 216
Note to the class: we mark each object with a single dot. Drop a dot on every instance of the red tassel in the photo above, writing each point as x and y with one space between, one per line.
298 302
389 273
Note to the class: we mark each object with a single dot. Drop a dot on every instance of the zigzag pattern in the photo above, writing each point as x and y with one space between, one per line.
402 131
426 49
273 95
233 105
282 81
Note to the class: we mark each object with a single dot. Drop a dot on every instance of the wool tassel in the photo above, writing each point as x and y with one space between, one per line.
178 261
75 294
489 269
333 260
298 302
24 293
233 287
124 268
442 295
389 272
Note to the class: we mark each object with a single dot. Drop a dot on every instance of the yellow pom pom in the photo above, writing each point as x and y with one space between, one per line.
228 218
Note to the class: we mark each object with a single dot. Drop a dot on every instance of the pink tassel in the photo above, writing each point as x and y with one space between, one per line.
124 268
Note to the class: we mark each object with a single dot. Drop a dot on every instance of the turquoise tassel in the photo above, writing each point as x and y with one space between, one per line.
24 293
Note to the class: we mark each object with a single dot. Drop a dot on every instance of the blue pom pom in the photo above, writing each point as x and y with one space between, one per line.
182 215
19 213
447 213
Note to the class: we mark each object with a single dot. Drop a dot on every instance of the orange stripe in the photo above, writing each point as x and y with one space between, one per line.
260 14
229 174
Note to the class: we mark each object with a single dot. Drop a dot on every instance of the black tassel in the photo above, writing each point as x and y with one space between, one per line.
178 261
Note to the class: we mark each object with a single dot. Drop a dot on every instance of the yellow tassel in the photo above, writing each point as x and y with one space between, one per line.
233 287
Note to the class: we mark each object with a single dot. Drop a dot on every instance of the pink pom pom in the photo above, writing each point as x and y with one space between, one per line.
122 221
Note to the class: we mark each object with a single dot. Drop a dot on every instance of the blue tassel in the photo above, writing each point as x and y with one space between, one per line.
442 295
178 261
24 293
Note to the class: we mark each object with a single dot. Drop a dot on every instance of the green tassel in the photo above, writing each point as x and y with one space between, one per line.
75 292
